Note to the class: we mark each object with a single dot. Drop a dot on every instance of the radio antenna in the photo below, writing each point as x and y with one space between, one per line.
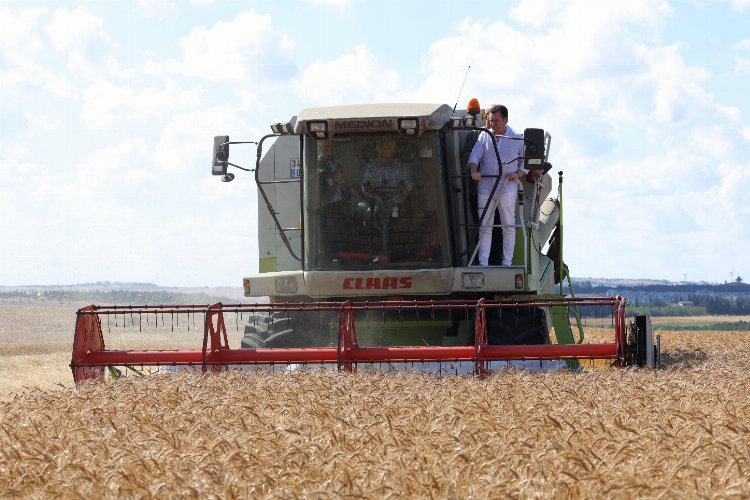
461 89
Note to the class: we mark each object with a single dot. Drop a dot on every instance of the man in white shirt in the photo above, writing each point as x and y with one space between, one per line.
484 169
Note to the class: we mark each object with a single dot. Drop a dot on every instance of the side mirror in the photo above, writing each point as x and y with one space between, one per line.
533 152
221 155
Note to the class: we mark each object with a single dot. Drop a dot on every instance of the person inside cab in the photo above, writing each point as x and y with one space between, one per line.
385 178
330 173
386 184
333 197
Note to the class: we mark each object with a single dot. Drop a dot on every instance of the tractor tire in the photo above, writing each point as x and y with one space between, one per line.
280 329
521 326
271 330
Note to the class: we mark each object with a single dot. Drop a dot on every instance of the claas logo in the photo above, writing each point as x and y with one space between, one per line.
387 283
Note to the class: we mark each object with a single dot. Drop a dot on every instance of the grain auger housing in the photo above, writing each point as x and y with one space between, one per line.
368 228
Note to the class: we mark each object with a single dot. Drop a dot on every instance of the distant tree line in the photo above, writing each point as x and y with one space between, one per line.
715 304
108 297
690 299
697 305
588 288
655 308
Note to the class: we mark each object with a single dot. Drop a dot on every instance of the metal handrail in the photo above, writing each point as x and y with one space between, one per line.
484 228
269 206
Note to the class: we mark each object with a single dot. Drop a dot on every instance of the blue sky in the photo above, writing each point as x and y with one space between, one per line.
108 110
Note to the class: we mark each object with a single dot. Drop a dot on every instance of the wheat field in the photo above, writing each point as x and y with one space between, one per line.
681 431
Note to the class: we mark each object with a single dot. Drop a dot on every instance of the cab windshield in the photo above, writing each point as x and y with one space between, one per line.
374 202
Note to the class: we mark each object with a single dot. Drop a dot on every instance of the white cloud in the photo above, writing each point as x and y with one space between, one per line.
246 48
74 30
742 57
676 86
20 47
589 67
81 37
606 16
18 78
18 31
107 104
187 138
161 7
70 213
100 101
740 5
536 13
331 3
516 64
354 77
123 195
155 7
107 169
646 149
742 66
15 171
42 121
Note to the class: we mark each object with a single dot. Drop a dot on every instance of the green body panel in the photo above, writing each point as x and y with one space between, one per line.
561 322
518 249
267 265
563 330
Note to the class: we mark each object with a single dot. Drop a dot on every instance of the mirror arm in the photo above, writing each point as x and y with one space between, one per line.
241 168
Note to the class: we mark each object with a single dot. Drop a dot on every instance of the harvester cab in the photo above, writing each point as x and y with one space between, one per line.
368 232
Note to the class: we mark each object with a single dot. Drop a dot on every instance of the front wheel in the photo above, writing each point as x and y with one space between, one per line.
291 329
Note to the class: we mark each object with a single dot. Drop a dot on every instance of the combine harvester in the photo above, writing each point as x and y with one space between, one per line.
383 279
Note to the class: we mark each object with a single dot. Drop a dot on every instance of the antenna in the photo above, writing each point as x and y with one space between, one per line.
461 89
684 277
731 275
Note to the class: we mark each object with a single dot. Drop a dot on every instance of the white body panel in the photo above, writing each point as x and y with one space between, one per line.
279 164
321 284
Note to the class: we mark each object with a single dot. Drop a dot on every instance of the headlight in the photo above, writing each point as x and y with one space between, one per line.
408 125
472 280
286 284
318 129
